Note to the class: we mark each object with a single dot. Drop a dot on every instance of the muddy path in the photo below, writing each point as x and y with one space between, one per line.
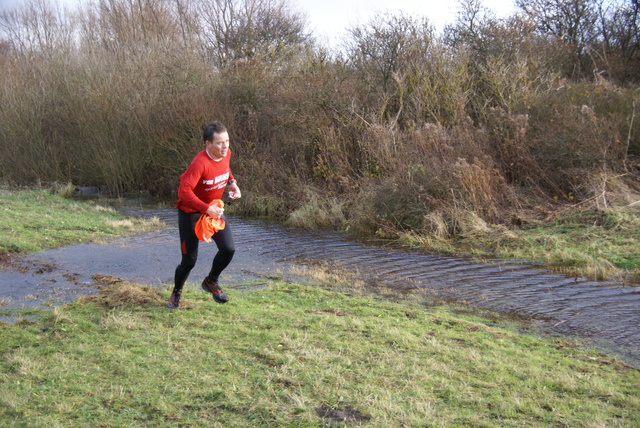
604 314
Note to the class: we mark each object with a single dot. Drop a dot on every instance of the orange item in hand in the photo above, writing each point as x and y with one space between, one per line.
206 225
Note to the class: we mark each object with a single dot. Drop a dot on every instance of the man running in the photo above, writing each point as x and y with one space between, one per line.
203 182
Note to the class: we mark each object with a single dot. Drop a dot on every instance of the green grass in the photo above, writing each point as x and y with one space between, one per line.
283 355
292 355
588 243
598 244
33 220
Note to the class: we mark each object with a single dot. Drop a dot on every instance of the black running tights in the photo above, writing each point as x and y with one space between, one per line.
189 246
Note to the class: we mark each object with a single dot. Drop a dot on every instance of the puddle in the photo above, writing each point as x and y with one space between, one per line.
605 314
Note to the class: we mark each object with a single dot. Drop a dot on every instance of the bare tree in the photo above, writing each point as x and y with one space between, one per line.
469 29
37 26
392 57
243 29
384 45
573 22
129 26
620 27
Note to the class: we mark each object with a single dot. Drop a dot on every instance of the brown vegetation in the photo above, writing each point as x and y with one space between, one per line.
114 292
399 130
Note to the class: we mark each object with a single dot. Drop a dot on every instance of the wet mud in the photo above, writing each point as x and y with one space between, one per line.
602 314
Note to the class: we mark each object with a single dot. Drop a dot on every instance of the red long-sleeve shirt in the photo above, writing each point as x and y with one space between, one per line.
202 182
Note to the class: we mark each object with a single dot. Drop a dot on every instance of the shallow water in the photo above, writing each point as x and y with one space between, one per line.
605 314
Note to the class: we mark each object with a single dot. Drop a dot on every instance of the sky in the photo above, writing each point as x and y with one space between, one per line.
330 19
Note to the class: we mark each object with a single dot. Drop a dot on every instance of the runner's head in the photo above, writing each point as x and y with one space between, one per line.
216 140
211 129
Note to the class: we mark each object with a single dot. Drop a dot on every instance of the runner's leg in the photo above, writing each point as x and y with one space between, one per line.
189 247
226 250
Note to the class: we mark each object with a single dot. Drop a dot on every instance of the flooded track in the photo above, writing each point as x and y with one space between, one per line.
606 314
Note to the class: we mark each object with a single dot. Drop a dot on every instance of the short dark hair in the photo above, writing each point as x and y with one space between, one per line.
211 129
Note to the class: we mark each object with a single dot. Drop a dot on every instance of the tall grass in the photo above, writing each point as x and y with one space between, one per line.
401 130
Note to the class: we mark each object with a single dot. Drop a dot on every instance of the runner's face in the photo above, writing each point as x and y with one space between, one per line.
219 146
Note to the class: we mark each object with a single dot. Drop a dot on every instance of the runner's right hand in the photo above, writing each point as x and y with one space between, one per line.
215 211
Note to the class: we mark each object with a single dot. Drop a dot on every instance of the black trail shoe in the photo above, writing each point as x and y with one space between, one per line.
213 288
174 301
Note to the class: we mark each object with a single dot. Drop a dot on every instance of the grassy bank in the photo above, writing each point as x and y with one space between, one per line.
291 355
37 219
597 244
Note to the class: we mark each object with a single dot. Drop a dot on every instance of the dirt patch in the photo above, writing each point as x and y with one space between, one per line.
116 292
348 415
7 262
45 268
72 277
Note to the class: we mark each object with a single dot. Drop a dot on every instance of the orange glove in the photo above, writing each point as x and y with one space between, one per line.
206 225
